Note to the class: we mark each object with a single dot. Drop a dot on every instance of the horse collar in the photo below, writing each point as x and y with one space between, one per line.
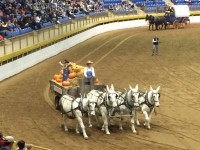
148 103
126 101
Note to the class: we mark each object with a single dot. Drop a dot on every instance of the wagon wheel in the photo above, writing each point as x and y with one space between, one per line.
186 21
175 24
57 98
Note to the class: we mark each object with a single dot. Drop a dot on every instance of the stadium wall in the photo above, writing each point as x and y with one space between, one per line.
19 65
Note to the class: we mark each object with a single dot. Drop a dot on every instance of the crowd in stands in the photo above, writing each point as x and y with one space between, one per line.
125 5
20 14
8 142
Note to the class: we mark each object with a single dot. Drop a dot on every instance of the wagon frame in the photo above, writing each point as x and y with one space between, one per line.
59 90
179 16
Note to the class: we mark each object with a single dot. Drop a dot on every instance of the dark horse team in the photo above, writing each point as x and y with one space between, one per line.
161 22
158 21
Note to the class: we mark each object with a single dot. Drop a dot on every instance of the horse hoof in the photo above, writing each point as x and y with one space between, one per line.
66 130
86 138
90 126
121 129
134 132
108 133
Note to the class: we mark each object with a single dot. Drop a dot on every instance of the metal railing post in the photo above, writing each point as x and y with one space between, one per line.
4 48
26 41
12 47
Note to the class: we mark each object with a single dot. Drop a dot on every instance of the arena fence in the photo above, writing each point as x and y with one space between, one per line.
17 47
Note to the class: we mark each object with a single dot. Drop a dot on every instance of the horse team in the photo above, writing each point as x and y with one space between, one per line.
107 104
161 22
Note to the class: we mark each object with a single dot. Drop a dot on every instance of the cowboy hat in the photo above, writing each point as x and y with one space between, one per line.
9 139
89 62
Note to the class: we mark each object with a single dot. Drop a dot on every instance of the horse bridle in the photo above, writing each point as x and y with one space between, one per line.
106 104
150 105
89 110
132 97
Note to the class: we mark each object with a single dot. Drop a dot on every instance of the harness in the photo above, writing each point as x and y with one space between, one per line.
78 107
126 101
123 97
108 108
150 105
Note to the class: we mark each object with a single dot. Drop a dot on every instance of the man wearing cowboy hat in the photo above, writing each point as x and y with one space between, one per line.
89 74
89 70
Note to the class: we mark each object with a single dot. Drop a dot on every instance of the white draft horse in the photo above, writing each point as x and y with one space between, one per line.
127 102
148 101
106 102
74 108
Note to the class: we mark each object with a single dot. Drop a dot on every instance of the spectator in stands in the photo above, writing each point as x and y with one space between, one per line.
1 139
22 146
1 36
89 73
8 143
155 43
37 21
111 7
21 14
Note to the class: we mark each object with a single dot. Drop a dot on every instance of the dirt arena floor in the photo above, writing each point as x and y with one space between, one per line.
121 57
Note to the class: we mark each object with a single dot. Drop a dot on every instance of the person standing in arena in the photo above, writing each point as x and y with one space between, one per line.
155 43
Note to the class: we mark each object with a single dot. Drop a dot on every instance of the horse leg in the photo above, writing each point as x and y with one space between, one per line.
150 115
146 118
156 26
77 128
136 119
133 122
165 26
78 115
120 121
64 116
104 114
97 119
89 120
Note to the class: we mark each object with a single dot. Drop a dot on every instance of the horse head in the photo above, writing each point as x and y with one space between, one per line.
147 17
134 95
111 96
91 107
154 96
89 104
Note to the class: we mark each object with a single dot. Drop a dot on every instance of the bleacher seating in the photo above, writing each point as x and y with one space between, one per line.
99 12
80 15
65 19
124 12
26 30
150 3
151 6
47 24
194 5
114 2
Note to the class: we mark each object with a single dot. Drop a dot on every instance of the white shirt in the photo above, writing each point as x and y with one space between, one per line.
86 69
37 19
